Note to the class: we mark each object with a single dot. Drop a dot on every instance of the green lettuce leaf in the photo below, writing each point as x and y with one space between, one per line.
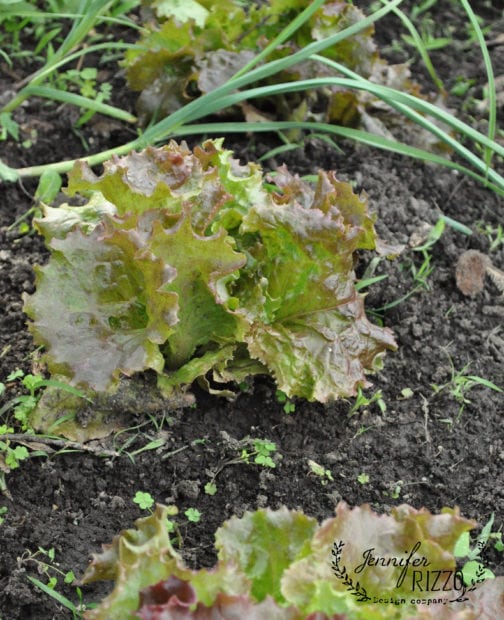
264 544
200 263
307 321
282 565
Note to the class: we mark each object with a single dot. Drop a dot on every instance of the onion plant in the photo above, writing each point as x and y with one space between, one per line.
474 161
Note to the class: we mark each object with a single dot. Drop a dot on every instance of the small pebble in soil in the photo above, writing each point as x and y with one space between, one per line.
470 272
472 266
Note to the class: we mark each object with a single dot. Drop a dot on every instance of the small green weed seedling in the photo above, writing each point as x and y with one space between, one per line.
499 543
85 81
361 430
421 273
47 566
3 511
363 478
395 490
261 451
362 401
406 393
421 7
288 405
144 500
44 560
16 433
258 451
368 277
324 474
193 515
47 190
430 41
11 453
210 488
473 570
461 384
472 32
8 127
433 237
77 611
152 444
495 235
23 405
9 456
461 86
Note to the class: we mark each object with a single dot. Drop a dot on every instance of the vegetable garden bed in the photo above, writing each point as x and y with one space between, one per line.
428 432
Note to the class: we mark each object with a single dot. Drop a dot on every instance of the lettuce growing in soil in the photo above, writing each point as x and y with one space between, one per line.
190 49
282 565
193 266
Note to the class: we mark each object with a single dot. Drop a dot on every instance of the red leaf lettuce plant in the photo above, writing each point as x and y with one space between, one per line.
188 50
281 565
191 265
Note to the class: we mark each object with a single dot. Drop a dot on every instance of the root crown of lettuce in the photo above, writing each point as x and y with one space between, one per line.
191 265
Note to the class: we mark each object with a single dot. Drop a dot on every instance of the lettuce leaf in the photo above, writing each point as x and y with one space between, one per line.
225 607
193 266
187 51
308 324
101 306
360 530
264 544
180 57
282 565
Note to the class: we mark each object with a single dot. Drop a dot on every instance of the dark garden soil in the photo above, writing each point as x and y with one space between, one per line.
422 450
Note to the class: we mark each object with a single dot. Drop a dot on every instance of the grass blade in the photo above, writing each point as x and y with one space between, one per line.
395 99
492 96
485 383
62 600
418 104
55 94
419 44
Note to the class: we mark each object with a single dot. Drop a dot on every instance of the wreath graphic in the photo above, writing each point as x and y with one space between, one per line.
341 573
480 578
